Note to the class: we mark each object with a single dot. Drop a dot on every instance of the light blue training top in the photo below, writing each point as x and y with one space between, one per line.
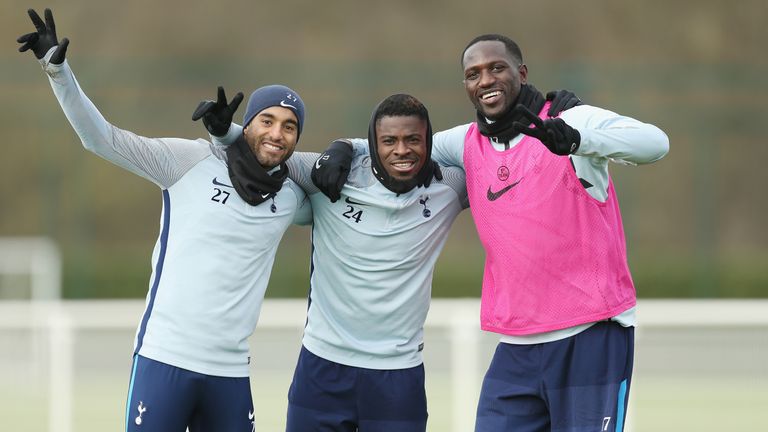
373 257
214 253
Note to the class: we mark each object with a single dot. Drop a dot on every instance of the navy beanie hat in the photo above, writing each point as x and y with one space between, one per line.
274 95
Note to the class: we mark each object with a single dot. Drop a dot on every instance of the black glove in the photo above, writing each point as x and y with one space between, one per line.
332 169
554 133
431 170
561 100
44 38
217 116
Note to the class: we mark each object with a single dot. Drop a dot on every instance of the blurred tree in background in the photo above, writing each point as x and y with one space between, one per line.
698 69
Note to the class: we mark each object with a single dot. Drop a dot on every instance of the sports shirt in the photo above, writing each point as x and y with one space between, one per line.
214 253
605 137
373 257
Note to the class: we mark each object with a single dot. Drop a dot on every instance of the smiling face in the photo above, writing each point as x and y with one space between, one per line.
272 136
492 77
401 142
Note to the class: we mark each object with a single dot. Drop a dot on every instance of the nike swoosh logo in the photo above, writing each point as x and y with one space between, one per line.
250 415
349 201
218 183
493 196
283 104
324 157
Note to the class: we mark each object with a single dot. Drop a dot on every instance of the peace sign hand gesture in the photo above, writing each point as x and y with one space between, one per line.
41 41
554 133
217 116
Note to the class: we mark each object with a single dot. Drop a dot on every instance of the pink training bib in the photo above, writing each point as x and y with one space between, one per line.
555 256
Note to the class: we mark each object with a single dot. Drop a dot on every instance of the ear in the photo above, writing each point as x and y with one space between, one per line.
523 70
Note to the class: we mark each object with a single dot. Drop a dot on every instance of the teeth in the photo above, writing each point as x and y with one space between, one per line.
491 94
403 164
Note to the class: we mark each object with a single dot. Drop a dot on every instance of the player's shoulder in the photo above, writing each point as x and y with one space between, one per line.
219 151
586 114
460 128
456 131
454 179
448 145
193 156
360 173
453 174
293 187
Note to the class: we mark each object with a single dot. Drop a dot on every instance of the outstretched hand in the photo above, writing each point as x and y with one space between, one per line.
556 134
42 40
217 116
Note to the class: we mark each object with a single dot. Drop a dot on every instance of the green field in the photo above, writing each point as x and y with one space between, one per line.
657 404
687 378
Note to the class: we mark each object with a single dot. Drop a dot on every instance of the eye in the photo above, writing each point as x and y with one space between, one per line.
289 127
266 122
471 76
498 68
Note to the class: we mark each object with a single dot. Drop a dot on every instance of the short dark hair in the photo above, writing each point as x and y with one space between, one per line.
401 105
512 48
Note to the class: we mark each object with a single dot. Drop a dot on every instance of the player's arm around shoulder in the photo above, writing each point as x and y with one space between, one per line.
359 146
300 170
455 178
606 134
303 215
452 143
448 146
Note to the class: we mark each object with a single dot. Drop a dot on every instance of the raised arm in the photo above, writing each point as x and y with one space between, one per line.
618 138
593 132
160 160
